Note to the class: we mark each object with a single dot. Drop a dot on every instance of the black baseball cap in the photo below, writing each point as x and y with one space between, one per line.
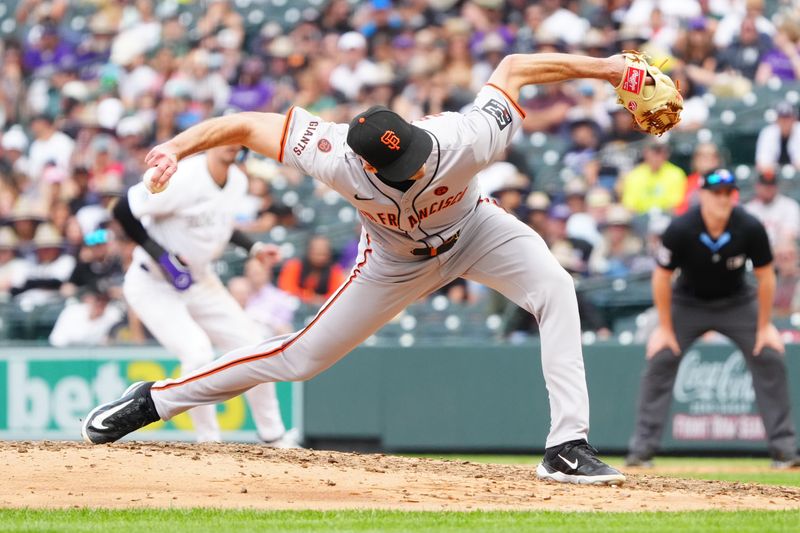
389 143
717 179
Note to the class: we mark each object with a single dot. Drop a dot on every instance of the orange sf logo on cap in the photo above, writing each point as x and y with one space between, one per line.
390 139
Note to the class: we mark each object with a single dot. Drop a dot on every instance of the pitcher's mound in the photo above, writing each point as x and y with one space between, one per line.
125 475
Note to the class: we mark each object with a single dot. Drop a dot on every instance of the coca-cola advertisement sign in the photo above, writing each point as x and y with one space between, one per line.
715 400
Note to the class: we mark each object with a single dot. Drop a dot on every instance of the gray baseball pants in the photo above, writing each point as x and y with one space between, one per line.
495 249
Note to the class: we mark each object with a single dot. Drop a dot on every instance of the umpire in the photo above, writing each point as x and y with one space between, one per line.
710 245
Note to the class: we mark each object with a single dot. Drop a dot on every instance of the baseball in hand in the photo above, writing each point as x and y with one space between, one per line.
148 183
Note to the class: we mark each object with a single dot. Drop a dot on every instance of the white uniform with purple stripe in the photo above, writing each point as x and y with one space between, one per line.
493 248
194 218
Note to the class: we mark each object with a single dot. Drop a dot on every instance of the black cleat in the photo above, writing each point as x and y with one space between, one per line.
576 462
113 420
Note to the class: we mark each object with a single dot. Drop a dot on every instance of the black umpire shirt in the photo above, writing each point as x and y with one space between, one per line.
711 269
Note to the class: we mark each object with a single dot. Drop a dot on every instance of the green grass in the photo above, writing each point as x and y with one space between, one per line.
788 478
177 521
241 521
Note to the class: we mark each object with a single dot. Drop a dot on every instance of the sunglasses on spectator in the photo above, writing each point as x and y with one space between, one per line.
721 179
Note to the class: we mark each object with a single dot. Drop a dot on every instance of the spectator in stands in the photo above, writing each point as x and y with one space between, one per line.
486 17
787 275
88 322
581 156
14 144
538 205
598 201
241 289
695 47
314 90
136 77
81 194
270 307
638 13
354 68
572 253
97 264
9 262
25 217
105 169
47 52
335 17
49 145
744 54
581 224
562 22
779 214
663 31
380 20
779 143
221 14
617 252
459 62
704 159
39 281
314 277
252 91
132 132
731 23
259 215
511 193
655 183
782 61
525 38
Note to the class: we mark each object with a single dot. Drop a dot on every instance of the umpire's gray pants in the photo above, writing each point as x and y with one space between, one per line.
736 319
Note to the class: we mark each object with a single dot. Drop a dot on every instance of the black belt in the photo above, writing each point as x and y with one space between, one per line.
433 252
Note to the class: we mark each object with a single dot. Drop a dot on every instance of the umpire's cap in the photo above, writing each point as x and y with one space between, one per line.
718 179
394 147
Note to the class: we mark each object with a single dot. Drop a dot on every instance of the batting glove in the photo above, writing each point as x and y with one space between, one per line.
176 271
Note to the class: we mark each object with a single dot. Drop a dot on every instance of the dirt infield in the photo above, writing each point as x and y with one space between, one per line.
67 474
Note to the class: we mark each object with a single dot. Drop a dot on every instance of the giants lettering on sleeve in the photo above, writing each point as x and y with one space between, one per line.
306 138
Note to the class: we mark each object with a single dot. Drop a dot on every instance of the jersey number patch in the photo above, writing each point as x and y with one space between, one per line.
499 112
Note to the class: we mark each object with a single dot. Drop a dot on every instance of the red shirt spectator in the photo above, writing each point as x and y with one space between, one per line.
315 277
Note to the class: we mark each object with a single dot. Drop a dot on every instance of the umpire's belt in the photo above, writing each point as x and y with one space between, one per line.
442 248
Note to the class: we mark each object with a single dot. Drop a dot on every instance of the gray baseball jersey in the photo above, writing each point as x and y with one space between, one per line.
493 248
437 205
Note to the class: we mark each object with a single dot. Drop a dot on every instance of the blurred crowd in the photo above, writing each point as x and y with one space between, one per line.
88 86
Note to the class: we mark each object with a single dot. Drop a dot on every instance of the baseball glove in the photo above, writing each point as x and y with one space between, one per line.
655 108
